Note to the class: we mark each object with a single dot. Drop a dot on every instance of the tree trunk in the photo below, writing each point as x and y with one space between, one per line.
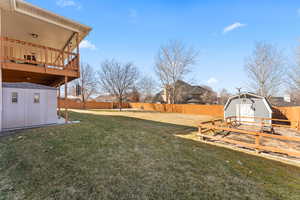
120 103
83 100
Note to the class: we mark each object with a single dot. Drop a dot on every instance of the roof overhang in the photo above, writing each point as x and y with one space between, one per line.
22 18
266 102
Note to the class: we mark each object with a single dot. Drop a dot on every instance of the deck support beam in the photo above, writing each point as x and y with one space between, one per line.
78 53
58 101
66 100
1 80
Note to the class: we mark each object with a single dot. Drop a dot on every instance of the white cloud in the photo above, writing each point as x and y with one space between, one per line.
212 81
133 15
85 44
233 26
68 3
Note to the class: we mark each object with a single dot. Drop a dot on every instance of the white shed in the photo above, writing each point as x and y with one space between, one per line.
248 105
28 105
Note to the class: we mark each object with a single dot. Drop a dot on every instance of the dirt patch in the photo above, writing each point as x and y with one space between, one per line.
172 118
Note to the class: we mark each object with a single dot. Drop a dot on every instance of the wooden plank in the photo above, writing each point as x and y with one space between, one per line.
78 53
59 106
22 51
253 146
294 139
258 136
39 69
262 118
242 144
29 44
66 100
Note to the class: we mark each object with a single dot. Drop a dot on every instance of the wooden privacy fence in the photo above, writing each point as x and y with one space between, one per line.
260 121
213 129
212 110
89 104
292 114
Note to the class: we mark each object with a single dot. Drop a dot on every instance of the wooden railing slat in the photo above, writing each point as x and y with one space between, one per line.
226 126
35 54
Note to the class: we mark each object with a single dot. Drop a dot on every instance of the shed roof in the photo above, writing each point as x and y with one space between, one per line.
266 102
25 85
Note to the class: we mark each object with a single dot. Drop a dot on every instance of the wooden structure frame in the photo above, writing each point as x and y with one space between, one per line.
47 63
229 125
39 46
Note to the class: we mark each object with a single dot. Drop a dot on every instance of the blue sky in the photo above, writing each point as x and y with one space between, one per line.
224 32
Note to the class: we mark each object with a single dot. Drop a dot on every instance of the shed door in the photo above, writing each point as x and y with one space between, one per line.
245 110
35 104
13 108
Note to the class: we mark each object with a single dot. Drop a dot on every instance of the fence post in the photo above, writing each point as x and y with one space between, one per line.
257 142
200 133
230 122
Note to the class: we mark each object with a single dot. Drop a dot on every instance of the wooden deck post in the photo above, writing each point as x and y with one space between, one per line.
58 101
78 52
66 100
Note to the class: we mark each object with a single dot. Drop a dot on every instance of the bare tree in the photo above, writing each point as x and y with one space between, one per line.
173 63
147 87
223 96
265 69
294 75
86 84
117 78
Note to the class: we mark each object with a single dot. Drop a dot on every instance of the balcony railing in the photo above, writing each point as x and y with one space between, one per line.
21 52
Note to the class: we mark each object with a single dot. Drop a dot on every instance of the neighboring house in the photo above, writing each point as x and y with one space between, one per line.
131 97
248 105
73 98
188 94
39 53
283 101
106 98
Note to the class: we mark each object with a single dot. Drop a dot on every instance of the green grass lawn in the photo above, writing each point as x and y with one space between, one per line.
115 157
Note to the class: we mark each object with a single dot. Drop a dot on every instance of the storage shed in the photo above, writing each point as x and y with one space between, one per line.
248 105
27 105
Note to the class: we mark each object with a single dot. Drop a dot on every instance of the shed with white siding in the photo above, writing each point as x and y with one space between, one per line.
28 105
248 105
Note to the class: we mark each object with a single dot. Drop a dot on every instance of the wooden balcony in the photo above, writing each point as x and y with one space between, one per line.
27 62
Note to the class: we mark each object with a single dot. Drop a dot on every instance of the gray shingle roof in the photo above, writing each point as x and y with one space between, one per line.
25 85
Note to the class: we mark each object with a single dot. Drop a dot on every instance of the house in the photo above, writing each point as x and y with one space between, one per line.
106 98
187 94
249 106
39 53
285 101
